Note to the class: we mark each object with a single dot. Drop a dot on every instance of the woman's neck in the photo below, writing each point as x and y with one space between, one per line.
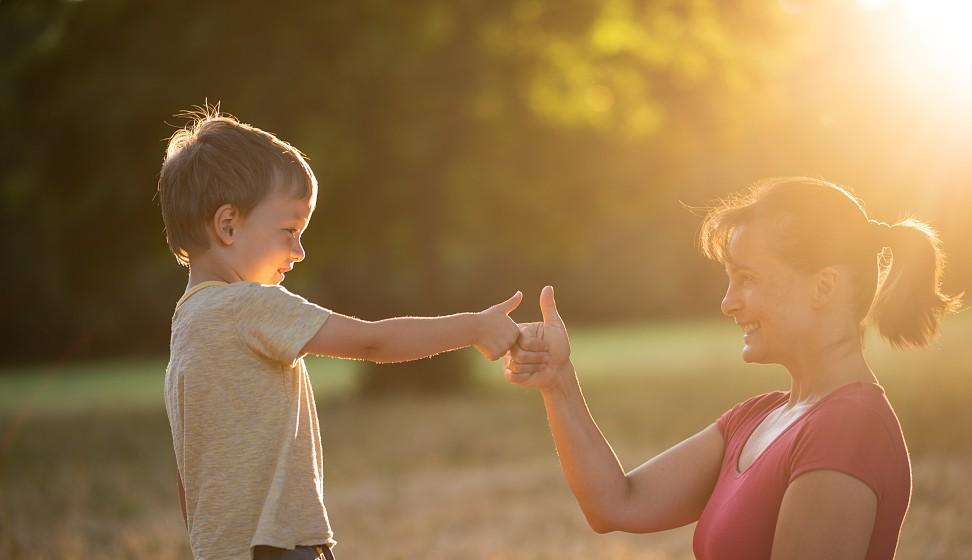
826 367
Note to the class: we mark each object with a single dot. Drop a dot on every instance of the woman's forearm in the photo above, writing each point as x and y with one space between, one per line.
591 468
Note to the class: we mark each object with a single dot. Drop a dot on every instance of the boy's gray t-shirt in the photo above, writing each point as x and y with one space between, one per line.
243 419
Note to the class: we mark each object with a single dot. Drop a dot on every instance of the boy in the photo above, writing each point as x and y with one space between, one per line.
235 201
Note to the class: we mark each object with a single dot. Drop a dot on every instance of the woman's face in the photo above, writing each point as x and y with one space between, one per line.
770 301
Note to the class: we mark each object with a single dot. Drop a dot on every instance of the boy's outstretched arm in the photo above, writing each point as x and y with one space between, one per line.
401 339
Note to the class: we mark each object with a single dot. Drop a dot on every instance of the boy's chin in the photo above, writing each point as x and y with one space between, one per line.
276 277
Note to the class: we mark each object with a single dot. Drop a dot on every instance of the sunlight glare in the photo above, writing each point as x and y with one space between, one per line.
941 37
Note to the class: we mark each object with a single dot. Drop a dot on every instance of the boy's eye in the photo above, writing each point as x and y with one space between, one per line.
292 232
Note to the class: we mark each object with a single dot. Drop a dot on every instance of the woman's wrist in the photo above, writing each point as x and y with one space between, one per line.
564 382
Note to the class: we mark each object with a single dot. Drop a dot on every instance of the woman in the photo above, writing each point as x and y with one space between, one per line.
820 471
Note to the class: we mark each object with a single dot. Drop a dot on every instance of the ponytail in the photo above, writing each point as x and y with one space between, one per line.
909 303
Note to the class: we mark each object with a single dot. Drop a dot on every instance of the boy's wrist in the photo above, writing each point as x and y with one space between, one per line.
477 322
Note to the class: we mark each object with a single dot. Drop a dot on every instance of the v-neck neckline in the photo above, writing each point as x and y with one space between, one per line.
738 455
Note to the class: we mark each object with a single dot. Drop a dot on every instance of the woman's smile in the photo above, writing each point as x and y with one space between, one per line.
749 328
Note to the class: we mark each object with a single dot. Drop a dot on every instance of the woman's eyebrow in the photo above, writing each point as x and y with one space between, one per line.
733 267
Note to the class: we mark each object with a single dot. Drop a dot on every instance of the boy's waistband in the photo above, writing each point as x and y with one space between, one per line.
316 552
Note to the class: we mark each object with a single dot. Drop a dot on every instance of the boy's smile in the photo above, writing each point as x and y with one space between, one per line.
266 243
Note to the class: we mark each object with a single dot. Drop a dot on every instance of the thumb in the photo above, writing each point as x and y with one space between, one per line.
511 304
548 307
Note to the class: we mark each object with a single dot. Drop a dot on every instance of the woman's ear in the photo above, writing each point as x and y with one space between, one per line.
826 281
225 223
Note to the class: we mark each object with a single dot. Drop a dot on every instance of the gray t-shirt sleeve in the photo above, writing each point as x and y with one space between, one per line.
276 323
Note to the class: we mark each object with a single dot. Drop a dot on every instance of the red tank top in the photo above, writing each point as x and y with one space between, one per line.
852 430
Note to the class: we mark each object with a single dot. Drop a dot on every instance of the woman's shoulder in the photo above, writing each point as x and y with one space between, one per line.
857 400
860 409
853 430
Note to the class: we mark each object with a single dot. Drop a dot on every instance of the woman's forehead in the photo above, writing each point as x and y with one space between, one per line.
749 246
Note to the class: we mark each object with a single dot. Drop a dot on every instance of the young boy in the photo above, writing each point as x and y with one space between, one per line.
235 201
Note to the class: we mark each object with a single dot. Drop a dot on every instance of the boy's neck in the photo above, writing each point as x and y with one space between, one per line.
202 270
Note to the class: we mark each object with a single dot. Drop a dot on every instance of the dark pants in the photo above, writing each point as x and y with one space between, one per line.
319 552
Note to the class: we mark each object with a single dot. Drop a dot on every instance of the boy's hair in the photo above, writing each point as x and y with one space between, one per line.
217 160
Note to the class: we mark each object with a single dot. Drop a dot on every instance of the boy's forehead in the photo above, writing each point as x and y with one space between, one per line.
290 188
290 207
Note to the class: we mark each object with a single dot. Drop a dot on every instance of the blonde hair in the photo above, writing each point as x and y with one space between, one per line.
217 160
896 269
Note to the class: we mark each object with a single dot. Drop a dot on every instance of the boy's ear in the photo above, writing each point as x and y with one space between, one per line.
225 222
825 287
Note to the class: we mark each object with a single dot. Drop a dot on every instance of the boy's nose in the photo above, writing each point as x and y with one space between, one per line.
298 252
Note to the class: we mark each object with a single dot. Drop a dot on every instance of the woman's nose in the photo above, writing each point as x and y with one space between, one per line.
730 303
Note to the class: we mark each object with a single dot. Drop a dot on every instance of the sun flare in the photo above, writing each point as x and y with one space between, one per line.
935 40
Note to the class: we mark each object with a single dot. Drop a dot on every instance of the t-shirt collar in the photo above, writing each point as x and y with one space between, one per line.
195 289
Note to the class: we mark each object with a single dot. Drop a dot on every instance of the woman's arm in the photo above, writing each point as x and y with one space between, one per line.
668 491
825 514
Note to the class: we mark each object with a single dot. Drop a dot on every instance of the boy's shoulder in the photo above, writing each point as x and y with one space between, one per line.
266 319
235 297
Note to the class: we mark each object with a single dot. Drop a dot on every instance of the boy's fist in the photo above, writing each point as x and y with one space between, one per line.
497 332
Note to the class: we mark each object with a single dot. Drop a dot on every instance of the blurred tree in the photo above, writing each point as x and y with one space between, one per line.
464 149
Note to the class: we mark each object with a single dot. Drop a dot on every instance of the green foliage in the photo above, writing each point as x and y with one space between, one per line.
464 149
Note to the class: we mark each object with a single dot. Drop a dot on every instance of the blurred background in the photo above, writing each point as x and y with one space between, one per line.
464 149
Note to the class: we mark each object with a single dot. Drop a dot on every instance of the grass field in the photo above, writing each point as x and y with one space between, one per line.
86 465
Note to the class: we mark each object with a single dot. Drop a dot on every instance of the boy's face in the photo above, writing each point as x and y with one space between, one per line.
267 241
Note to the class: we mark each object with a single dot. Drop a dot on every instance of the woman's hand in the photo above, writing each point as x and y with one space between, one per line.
541 356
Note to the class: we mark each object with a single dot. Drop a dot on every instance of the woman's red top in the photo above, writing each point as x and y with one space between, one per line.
852 430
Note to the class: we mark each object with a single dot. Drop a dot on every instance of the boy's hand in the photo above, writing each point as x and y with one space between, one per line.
542 350
497 332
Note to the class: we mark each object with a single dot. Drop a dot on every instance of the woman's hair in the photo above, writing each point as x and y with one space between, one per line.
817 224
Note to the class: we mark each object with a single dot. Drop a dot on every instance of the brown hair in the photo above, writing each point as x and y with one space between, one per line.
217 160
818 224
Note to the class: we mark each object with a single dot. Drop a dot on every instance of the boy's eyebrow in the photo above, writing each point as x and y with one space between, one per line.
298 217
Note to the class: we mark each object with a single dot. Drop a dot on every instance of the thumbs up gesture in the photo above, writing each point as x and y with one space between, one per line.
542 349
496 332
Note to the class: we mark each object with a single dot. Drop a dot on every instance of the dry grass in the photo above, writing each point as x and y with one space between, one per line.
471 477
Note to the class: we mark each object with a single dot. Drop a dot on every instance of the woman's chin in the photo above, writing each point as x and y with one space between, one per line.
751 355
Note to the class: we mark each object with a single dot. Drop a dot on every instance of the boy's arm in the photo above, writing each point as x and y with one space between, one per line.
401 339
